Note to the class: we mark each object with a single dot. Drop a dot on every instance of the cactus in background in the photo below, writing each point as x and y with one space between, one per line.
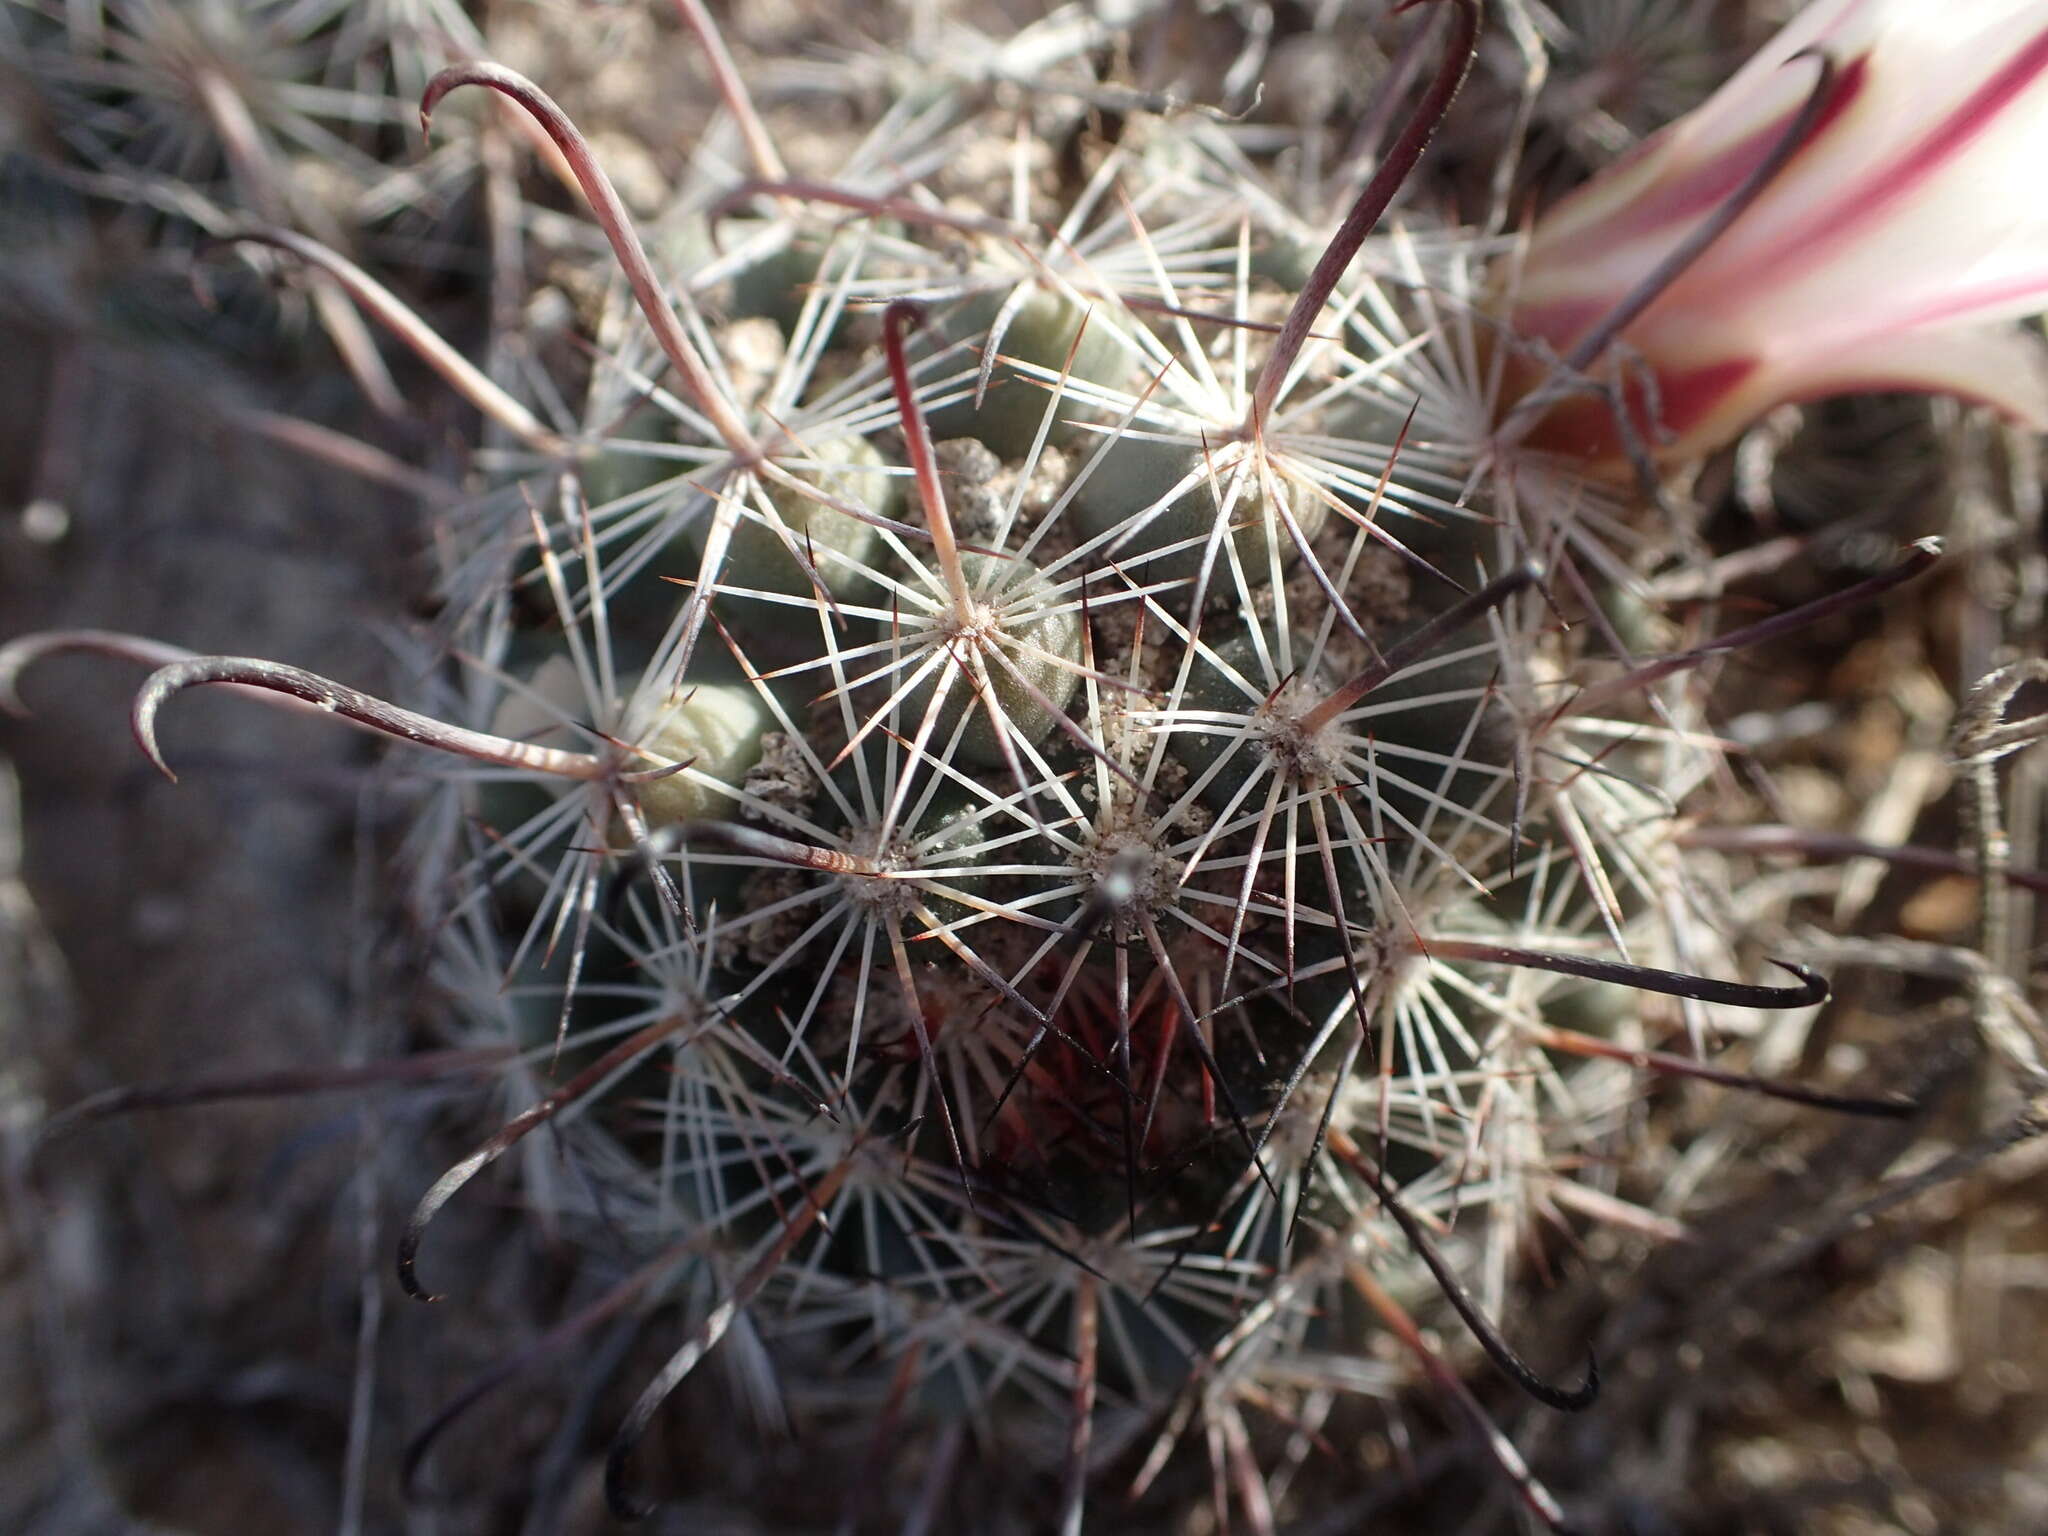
1065 814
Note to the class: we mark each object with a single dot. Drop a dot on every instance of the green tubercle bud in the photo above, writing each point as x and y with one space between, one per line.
780 283
773 287
1040 333
840 546
1124 491
614 473
1209 688
715 728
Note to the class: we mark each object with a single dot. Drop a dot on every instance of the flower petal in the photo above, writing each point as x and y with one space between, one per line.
2003 367
1924 161
1906 221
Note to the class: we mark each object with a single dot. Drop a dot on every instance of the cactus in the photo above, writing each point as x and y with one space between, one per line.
1074 923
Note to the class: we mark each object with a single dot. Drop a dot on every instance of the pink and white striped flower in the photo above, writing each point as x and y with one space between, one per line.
1892 250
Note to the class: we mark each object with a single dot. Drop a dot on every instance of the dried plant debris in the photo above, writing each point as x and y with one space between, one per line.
1125 762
